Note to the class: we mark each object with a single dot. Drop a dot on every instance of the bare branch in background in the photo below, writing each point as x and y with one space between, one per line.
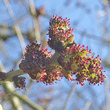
68 97
17 29
35 21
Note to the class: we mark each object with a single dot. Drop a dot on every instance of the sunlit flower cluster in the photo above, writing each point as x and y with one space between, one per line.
72 59
76 60
34 60
59 33
36 63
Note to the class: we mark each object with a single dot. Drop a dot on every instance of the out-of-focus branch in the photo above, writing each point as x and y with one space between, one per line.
3 49
22 98
84 33
87 105
14 97
25 100
35 20
17 28
68 97
107 100
13 73
9 75
1 108
16 105
5 36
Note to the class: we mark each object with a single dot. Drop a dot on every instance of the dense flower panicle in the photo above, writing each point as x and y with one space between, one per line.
95 74
50 75
34 60
59 32
36 63
76 60
72 55
53 73
71 59
19 82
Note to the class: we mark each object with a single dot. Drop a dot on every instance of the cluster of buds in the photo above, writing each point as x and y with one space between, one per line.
19 82
34 60
37 64
72 59
60 33
49 75
76 61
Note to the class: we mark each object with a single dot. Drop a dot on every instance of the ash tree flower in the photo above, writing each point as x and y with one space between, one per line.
72 59
36 63
59 33
75 59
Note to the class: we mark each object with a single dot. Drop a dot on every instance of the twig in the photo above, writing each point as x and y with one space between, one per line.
2 48
28 102
13 73
35 20
13 96
68 97
16 105
16 26
29 85
107 100
9 75
54 58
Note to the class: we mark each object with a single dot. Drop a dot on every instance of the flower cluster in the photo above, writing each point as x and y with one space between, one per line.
75 60
34 60
59 33
36 63
19 82
72 59
49 75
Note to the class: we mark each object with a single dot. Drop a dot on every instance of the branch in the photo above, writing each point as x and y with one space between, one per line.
14 73
15 102
35 20
9 75
16 26
27 101
68 97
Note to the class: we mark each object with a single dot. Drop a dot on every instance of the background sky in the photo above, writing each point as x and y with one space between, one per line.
90 20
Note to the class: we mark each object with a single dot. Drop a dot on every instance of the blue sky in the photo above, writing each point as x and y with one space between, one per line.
86 19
